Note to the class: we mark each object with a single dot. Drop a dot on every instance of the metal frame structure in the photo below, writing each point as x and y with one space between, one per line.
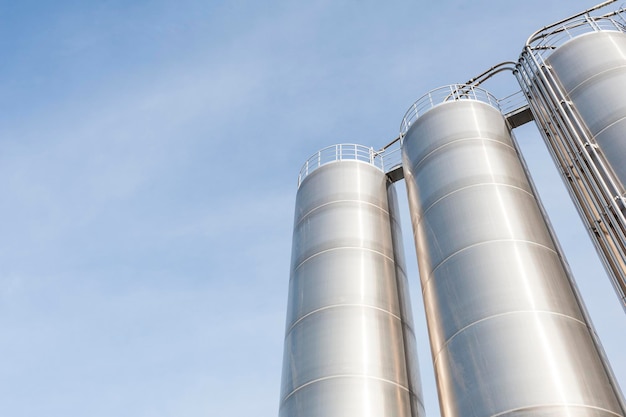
595 191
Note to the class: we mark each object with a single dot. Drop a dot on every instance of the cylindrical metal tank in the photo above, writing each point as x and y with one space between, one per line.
591 69
574 75
509 335
349 348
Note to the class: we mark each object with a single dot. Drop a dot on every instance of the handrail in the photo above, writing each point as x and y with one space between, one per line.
567 19
340 152
546 40
389 157
513 102
453 92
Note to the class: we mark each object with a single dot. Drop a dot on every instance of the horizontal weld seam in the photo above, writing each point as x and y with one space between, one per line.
342 376
340 248
486 242
605 128
367 203
482 184
510 313
288 332
595 75
472 139
555 405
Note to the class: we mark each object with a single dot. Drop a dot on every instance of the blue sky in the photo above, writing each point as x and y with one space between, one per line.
149 152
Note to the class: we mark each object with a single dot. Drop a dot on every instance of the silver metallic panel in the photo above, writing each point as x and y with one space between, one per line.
396 230
343 276
613 144
438 124
342 224
592 71
349 396
522 361
441 172
587 56
412 364
605 90
402 281
513 276
345 340
342 180
478 214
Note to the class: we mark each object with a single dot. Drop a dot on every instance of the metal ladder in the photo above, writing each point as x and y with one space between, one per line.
596 193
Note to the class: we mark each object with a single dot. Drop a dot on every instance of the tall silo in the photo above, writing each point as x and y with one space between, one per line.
349 345
574 75
509 335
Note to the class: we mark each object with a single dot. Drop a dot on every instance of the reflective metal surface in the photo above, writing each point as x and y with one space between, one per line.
349 345
508 333
574 74
592 72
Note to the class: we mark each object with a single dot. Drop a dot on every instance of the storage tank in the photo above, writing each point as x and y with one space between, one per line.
509 334
574 74
350 348
591 70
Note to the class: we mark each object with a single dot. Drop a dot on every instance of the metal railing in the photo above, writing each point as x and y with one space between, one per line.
513 102
453 92
389 157
392 155
544 42
341 152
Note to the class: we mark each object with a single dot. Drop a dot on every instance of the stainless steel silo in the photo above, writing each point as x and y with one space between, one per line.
508 332
349 344
591 70
574 74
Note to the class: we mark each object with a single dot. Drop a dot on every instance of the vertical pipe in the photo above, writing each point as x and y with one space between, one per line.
591 70
575 88
509 335
349 345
